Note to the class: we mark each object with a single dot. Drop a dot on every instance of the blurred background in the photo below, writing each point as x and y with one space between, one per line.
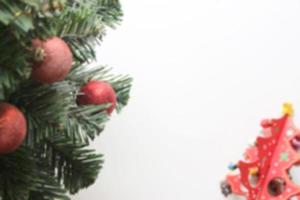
205 73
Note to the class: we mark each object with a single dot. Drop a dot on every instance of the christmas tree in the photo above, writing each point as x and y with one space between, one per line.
54 98
264 174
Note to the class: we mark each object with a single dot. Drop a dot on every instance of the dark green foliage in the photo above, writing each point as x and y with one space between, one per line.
16 174
54 160
23 177
71 163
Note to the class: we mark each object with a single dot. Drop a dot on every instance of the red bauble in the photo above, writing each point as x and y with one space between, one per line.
97 93
53 60
13 128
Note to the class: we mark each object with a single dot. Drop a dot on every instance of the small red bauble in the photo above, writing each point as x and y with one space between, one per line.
97 93
13 128
53 60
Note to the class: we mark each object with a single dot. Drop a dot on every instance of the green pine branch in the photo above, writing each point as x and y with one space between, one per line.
122 85
29 17
82 24
82 49
48 103
52 109
12 48
54 160
17 175
79 21
22 177
16 15
47 187
72 164
109 10
31 175
85 123
9 81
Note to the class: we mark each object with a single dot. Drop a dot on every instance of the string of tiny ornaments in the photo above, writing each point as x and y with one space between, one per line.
265 172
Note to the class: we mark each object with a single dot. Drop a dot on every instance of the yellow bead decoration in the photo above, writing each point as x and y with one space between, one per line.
253 171
288 109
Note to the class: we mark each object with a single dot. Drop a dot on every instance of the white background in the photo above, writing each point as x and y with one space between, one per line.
206 72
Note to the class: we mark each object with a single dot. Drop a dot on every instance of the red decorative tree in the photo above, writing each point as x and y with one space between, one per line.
264 173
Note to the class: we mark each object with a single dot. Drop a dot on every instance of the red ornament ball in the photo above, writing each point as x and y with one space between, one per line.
53 60
13 128
97 93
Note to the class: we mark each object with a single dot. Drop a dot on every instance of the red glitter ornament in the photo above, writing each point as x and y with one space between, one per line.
53 60
97 93
13 128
